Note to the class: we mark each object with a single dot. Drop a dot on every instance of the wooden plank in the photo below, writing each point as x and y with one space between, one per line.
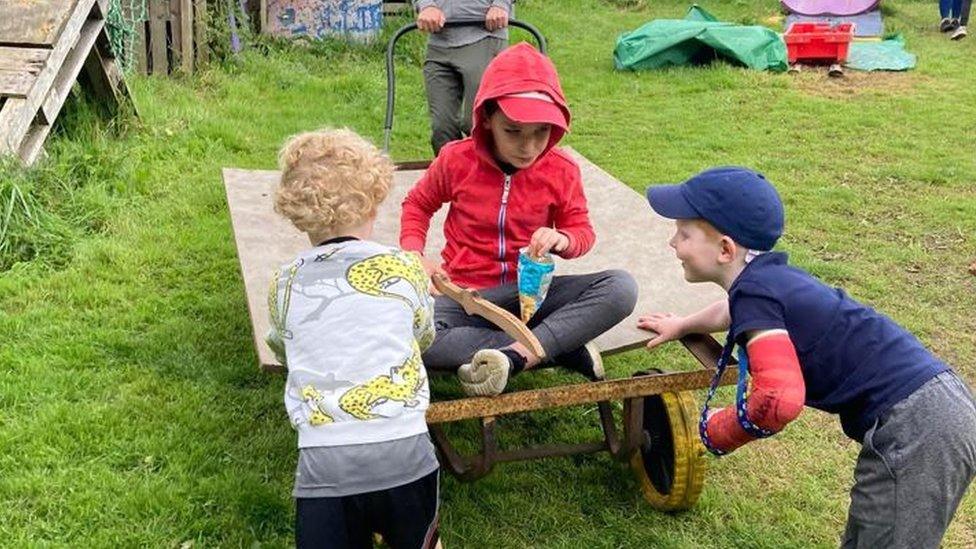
59 91
186 34
175 27
15 124
19 68
33 145
200 19
34 22
623 222
142 48
106 65
102 76
16 59
16 84
96 80
12 110
159 60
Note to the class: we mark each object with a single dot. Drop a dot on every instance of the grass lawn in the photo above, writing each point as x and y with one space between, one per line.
131 409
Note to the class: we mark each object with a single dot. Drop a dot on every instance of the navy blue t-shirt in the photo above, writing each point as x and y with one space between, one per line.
856 362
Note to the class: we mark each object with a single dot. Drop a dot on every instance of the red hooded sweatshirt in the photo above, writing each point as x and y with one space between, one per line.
493 214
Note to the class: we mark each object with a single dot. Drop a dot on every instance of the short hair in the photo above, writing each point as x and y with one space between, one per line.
331 180
489 107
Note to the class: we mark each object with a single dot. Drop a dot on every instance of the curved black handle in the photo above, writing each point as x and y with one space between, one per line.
391 78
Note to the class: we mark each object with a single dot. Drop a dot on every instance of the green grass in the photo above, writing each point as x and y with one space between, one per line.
131 409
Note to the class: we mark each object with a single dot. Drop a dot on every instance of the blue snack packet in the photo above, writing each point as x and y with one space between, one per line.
534 276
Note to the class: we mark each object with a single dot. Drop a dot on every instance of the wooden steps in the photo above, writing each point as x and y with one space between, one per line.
45 46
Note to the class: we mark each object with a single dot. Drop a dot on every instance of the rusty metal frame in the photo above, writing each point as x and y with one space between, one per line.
631 390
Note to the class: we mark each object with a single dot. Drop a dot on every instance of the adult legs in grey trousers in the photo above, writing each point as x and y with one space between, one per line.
914 467
452 76
577 309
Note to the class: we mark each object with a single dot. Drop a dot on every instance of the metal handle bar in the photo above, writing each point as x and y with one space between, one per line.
391 78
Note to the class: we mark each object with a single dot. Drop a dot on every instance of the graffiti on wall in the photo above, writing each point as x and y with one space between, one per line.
356 19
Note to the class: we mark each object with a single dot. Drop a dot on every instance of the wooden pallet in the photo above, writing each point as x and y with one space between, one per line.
45 46
173 36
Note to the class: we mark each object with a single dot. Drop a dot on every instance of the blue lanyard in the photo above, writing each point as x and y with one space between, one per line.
740 397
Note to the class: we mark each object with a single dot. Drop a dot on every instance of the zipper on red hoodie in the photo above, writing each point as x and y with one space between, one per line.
501 226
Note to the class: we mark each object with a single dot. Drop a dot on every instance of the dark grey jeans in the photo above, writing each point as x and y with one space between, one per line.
452 76
914 467
577 309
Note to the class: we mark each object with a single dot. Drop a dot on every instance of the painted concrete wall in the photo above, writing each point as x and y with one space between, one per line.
359 20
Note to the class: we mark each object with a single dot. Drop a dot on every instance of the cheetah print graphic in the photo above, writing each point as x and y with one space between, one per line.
401 385
374 274
315 401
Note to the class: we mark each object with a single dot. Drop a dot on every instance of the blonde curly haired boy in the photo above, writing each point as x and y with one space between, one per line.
332 181
349 319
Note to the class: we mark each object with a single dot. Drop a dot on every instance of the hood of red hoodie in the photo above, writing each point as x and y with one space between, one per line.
517 69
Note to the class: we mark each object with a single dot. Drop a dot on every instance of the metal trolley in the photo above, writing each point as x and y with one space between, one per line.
659 433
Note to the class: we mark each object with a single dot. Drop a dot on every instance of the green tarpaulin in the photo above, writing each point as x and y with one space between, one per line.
887 55
698 38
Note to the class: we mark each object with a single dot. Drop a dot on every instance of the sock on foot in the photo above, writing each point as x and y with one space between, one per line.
515 359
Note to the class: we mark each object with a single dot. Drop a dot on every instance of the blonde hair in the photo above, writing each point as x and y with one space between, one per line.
331 180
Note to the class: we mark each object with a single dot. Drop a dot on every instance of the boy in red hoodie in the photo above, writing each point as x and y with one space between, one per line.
510 187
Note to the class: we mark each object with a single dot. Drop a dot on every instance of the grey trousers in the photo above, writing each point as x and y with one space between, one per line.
452 76
914 467
577 309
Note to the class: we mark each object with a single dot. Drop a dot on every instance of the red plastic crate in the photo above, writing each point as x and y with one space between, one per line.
818 42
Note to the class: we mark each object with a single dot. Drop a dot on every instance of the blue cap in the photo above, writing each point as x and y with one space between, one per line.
739 202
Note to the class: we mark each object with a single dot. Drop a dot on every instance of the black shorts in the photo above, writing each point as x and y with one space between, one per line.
406 517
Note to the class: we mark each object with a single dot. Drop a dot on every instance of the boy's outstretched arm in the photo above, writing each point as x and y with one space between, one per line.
776 397
669 327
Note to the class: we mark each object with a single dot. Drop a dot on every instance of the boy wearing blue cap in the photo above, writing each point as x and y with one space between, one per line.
803 342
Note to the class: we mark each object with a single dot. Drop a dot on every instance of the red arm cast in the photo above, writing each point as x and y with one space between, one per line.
775 398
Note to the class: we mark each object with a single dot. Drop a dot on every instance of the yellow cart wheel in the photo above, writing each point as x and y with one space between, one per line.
670 461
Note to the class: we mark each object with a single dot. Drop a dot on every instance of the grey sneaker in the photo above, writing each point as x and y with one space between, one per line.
486 374
959 34
946 25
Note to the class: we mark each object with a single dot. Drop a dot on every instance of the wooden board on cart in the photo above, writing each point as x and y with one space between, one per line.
629 237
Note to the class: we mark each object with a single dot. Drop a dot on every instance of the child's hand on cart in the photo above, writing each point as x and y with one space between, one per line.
667 326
